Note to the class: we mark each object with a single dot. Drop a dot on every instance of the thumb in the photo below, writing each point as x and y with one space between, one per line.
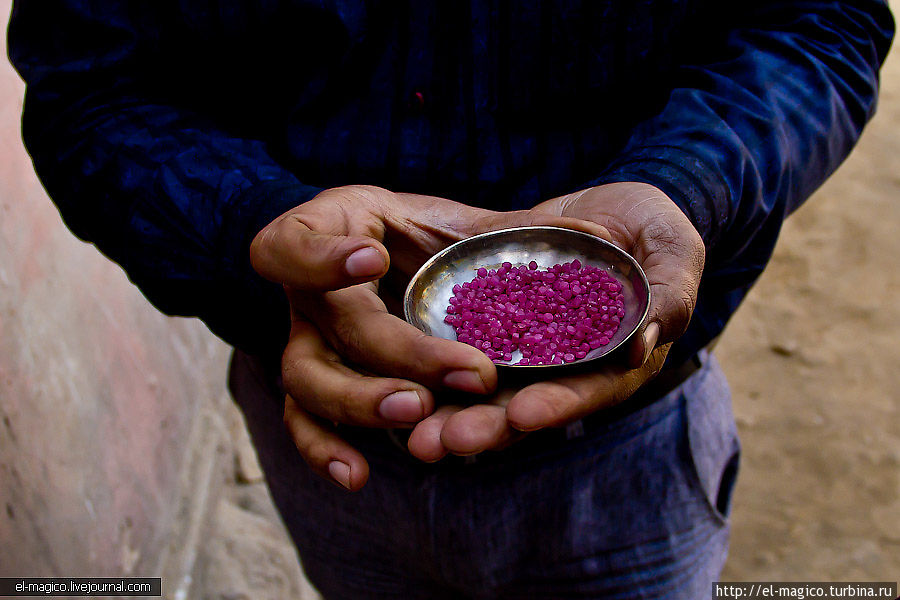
287 251
484 221
673 269
642 346
428 224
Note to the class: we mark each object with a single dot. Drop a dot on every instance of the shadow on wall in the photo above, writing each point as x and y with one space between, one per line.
109 429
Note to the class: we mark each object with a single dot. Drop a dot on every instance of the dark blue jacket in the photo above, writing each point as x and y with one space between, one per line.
169 133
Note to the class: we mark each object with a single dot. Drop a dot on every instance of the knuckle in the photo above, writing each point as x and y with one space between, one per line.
663 230
294 376
426 352
663 235
316 453
365 195
686 304
343 407
289 366
682 308
679 238
349 337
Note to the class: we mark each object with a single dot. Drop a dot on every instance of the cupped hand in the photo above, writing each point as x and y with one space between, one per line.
348 359
642 220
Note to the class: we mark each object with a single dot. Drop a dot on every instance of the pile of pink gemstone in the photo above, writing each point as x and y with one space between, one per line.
553 316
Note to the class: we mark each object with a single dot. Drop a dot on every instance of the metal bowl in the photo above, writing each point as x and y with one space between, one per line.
429 292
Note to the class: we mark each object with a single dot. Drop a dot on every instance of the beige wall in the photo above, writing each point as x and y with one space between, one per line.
108 420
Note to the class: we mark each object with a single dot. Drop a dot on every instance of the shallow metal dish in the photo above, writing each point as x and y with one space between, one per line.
429 292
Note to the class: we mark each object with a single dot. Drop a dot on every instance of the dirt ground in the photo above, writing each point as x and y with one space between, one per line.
812 357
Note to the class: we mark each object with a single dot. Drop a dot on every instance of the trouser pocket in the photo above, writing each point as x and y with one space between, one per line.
712 436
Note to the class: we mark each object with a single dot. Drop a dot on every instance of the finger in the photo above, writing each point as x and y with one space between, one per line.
553 213
530 218
478 428
562 401
324 451
549 404
429 224
643 344
425 440
357 325
290 252
314 376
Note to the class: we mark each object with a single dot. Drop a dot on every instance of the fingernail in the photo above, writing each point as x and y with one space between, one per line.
403 406
651 336
340 472
466 381
536 417
365 262
525 427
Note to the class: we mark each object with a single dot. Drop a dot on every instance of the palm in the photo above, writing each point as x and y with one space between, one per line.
646 223
337 366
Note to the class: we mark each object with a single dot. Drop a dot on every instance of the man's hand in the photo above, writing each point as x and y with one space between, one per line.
642 220
348 359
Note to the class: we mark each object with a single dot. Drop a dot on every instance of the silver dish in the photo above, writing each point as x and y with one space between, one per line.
429 292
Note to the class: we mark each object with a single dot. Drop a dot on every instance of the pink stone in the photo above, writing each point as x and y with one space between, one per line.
552 315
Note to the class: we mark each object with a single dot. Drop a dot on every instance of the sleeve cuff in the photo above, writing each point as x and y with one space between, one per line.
253 209
262 324
700 193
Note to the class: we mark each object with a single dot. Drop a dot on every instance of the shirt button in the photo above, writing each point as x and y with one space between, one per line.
416 102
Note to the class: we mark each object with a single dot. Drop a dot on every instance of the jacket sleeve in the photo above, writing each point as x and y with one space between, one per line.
760 118
137 165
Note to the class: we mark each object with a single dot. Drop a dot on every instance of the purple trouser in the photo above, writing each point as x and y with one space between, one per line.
630 507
